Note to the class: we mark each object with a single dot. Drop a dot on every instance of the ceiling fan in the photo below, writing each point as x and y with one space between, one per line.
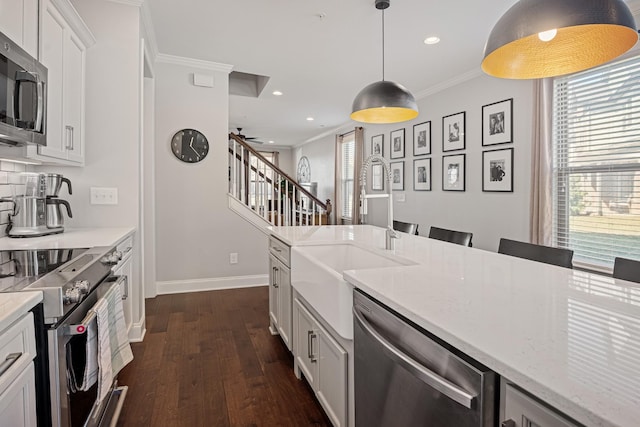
252 139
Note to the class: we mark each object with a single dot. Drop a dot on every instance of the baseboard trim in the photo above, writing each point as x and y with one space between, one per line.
137 332
218 283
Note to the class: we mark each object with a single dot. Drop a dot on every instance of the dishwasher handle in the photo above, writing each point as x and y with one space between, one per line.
427 376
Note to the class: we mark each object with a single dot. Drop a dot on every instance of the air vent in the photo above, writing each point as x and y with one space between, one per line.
245 84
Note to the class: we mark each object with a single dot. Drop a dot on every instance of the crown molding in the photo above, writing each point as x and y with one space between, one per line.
151 42
340 129
136 3
195 63
71 15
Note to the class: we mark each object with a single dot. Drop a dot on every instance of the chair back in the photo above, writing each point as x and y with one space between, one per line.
546 254
458 237
626 269
405 227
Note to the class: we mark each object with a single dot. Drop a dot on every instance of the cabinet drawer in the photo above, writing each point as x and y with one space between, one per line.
17 350
280 250
522 410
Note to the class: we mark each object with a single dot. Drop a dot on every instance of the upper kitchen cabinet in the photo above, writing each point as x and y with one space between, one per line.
19 22
64 39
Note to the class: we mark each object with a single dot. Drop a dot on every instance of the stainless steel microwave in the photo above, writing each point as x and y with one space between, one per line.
23 96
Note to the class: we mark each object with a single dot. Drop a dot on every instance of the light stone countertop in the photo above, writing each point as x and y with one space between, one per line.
14 305
71 238
569 337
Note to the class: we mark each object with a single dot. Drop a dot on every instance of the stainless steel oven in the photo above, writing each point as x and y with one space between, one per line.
405 377
23 96
72 281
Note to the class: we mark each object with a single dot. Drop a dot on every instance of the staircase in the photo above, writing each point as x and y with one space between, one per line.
264 195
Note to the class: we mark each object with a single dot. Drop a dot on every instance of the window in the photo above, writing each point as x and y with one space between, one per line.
261 177
596 165
347 168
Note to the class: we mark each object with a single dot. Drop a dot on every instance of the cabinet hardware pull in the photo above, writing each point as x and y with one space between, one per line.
310 353
275 281
277 249
508 423
68 130
8 362
125 294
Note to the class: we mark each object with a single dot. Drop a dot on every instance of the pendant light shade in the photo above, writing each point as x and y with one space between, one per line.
546 38
384 101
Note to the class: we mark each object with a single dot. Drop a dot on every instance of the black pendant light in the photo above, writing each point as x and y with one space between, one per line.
546 38
384 101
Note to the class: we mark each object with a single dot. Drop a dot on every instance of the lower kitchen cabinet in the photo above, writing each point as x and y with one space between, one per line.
519 409
322 361
280 299
18 401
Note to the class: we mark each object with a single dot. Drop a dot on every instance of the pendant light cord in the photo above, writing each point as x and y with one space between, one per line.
382 44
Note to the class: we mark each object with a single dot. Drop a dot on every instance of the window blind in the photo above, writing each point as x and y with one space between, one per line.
596 138
347 175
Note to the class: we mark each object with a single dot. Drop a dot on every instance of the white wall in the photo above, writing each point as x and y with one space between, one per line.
321 155
112 118
195 229
488 216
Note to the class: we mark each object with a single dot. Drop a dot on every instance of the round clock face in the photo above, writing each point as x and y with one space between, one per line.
189 145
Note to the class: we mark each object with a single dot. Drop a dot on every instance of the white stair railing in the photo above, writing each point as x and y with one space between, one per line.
269 192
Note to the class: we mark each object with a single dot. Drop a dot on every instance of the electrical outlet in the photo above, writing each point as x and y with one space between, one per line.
400 197
233 258
104 196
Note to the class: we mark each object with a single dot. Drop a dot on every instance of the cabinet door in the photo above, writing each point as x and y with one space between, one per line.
126 269
18 401
19 22
74 97
284 304
306 342
521 410
332 379
52 57
274 298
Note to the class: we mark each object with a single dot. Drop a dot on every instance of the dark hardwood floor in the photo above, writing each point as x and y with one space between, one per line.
208 359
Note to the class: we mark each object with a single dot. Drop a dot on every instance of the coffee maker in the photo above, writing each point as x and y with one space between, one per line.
36 207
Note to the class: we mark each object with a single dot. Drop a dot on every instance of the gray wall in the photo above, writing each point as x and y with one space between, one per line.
321 155
488 216
195 230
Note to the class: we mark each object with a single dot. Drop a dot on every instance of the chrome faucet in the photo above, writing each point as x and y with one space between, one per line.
391 234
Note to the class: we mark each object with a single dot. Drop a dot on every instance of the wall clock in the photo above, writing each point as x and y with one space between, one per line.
304 170
189 145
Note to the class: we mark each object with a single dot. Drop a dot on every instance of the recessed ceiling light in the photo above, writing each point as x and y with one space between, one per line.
277 93
270 142
432 40
310 119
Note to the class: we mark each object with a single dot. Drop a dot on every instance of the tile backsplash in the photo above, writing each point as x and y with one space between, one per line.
8 174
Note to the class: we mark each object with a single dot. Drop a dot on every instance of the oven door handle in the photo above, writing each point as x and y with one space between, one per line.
427 376
81 328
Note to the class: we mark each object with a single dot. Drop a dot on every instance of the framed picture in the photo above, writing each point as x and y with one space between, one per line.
377 144
397 144
497 170
497 123
422 139
397 172
422 174
377 178
453 132
453 172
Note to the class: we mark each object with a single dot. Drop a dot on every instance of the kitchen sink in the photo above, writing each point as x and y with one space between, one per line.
316 274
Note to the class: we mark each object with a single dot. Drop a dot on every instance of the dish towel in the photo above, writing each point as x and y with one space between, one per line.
82 359
114 351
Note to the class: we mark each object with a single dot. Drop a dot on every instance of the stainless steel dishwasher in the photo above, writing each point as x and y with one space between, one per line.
406 377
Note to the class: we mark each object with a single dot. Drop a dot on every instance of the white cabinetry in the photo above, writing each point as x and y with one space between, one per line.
322 361
125 268
17 379
280 290
64 40
19 22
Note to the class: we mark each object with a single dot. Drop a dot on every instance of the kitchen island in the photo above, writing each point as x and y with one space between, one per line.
568 337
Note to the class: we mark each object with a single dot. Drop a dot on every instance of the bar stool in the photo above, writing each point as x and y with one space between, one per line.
406 227
547 254
458 237
626 269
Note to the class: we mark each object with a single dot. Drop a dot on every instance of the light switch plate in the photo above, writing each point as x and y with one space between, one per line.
104 196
